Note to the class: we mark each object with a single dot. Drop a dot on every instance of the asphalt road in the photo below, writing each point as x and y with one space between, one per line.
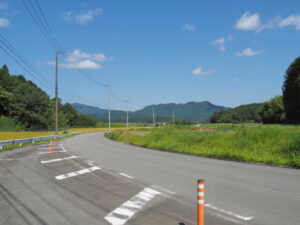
89 179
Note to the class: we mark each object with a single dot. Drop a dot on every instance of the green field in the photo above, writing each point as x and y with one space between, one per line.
269 144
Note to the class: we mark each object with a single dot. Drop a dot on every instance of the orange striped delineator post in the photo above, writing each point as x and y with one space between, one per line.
50 150
200 202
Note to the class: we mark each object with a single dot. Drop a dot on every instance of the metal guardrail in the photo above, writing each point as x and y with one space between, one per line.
19 141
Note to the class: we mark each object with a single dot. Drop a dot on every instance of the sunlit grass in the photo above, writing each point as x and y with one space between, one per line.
22 135
271 144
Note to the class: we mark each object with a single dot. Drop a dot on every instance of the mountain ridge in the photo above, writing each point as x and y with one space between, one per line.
190 111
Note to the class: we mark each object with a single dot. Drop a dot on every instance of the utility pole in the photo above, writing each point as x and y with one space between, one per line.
173 118
109 95
126 113
153 116
56 90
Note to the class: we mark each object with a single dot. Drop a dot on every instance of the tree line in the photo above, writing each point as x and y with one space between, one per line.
27 107
279 110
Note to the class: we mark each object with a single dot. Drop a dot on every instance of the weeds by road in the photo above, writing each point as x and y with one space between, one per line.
270 144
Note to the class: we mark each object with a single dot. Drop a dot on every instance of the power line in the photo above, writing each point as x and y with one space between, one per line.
12 52
41 24
47 24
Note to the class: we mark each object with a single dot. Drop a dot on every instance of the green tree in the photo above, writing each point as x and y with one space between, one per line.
85 121
273 111
291 92
29 104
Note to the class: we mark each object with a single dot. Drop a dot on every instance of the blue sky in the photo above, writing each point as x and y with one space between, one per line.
227 52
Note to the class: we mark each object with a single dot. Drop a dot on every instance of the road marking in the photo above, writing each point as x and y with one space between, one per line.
77 173
245 218
163 189
126 175
122 214
41 153
90 163
60 159
61 145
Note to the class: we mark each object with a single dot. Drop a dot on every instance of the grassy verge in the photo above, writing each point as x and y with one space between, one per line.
269 144
10 147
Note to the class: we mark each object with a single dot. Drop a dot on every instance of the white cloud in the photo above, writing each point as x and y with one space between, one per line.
236 79
292 20
78 55
82 18
189 27
4 22
221 42
248 52
248 21
198 72
82 60
3 5
84 64
230 38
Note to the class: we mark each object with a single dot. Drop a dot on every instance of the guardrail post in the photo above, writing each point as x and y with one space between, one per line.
200 202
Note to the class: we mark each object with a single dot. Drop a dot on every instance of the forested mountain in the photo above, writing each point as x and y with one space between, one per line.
191 111
249 113
24 105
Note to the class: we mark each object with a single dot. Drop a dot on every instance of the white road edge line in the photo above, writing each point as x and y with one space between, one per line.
126 175
60 159
122 214
245 218
163 189
77 173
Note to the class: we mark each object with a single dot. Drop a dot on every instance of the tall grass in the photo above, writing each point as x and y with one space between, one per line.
270 144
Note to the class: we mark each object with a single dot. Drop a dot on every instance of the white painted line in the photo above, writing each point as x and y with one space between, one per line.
62 147
163 189
122 214
60 159
245 218
41 153
126 175
76 173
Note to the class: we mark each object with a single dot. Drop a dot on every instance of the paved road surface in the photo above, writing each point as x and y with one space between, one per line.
92 180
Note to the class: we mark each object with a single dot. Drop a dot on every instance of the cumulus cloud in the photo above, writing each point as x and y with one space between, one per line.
198 72
221 42
82 18
251 22
292 20
4 22
82 60
248 21
189 27
248 52
3 5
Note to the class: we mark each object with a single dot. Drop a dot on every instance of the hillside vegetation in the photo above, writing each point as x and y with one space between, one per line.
270 144
284 109
242 114
23 105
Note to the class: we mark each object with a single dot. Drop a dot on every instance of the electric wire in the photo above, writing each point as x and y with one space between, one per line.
41 22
